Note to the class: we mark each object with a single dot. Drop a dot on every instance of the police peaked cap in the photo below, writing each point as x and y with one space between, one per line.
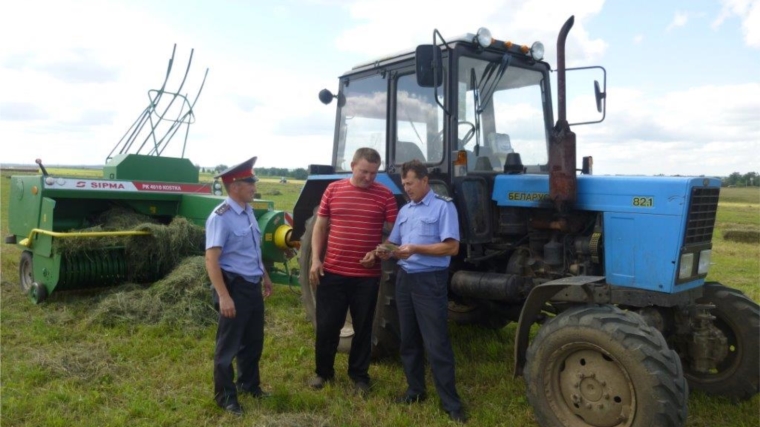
241 172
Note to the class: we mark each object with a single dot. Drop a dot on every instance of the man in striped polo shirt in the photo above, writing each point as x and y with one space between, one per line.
348 279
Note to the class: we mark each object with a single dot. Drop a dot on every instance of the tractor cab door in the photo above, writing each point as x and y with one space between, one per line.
418 125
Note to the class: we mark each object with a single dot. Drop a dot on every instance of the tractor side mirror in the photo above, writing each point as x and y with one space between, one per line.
326 96
599 95
583 112
428 65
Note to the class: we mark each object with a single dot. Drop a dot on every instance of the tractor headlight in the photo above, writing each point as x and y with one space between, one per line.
537 51
704 261
484 37
687 266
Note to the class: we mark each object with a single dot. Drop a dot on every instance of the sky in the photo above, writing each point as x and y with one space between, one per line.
683 76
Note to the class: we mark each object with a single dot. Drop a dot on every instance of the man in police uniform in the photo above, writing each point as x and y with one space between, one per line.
233 262
427 231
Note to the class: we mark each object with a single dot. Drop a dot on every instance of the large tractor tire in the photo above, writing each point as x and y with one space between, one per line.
385 328
600 366
738 317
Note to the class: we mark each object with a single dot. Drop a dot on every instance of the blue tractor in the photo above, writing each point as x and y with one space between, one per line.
613 268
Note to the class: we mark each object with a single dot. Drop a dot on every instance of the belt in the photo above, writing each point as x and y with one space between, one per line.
227 274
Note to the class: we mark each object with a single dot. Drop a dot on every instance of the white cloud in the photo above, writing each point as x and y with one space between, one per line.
521 21
748 11
707 130
679 20
75 81
79 80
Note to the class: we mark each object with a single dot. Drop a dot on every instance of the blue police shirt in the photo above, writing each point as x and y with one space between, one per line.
432 220
236 231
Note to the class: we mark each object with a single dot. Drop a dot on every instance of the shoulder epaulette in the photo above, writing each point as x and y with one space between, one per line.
444 198
222 209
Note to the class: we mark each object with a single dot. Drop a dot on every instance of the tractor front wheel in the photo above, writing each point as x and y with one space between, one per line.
598 366
738 318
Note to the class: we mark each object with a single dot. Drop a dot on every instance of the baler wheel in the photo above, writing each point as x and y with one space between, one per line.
738 317
598 366
26 272
38 293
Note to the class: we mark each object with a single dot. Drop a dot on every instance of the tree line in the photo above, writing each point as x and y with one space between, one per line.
736 179
299 173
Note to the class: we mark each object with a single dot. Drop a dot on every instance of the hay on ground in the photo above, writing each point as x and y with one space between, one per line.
171 257
742 235
182 298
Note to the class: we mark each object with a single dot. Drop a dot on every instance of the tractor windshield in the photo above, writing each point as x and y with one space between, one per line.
511 120
363 116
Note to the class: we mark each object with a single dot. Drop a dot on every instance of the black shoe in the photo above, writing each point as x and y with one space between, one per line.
234 408
458 416
317 383
408 399
361 389
256 394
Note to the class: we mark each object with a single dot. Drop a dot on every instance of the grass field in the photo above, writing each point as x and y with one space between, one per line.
59 369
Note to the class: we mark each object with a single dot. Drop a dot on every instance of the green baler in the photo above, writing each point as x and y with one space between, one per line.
43 208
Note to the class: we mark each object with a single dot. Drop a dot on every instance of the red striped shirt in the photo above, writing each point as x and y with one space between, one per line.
356 225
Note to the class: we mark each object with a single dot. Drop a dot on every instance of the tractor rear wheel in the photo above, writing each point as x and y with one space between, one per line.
26 272
738 317
385 326
600 366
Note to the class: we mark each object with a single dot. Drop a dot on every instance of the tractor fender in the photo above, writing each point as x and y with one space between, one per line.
538 296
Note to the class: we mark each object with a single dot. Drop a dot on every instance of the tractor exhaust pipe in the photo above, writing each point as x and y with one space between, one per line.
563 183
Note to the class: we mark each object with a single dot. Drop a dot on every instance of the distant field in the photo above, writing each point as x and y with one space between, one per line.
740 195
61 369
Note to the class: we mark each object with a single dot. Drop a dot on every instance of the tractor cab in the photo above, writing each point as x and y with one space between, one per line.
470 106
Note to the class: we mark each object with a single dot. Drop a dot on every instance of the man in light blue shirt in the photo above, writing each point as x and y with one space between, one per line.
427 232
234 265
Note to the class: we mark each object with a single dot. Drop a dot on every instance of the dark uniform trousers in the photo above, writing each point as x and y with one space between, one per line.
336 295
422 303
241 336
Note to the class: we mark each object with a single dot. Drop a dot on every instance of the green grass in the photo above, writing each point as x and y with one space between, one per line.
60 370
